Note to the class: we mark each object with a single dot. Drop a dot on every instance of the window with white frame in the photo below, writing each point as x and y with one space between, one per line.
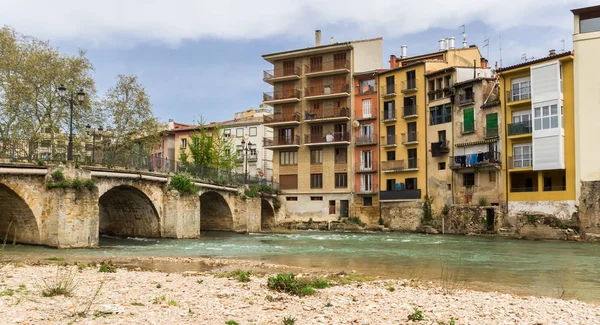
521 88
227 133
366 108
184 143
239 132
288 158
522 155
366 183
252 131
545 117
523 116
366 160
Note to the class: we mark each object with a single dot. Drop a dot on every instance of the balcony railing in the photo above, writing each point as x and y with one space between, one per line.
332 137
400 195
521 161
251 158
366 188
281 94
390 140
466 98
327 113
410 137
490 132
327 90
281 72
439 93
327 66
440 148
365 89
523 189
410 111
399 165
279 117
360 115
493 158
409 85
365 168
366 139
282 141
389 115
517 94
557 188
519 128
388 90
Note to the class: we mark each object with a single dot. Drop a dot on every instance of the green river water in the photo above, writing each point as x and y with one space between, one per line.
540 268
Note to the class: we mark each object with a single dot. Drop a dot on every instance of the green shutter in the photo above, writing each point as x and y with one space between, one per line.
491 125
469 120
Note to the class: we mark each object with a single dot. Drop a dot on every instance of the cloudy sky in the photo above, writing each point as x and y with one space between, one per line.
204 57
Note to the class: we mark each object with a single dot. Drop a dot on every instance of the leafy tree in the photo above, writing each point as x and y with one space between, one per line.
201 146
224 153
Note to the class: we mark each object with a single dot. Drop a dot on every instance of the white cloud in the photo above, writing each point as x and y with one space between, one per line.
169 22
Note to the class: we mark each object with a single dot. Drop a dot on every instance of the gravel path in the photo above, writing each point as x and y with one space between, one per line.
143 297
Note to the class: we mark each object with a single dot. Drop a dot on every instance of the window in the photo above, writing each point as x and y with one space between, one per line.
547 183
316 180
239 132
367 86
492 176
316 64
366 108
412 158
316 198
252 131
411 183
469 120
339 61
412 132
522 116
289 67
411 79
589 24
391 155
491 125
291 198
286 136
366 130
440 114
253 150
184 143
448 81
366 160
366 183
341 180
468 179
288 182
367 201
341 155
390 131
442 136
288 158
316 156
410 106
390 184
522 155
545 117
390 85
467 94
389 110
227 133
442 166
521 89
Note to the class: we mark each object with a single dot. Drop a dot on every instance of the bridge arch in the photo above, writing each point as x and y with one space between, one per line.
215 213
17 220
127 211
267 214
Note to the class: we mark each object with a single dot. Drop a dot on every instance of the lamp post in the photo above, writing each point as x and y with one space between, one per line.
245 149
62 91
93 133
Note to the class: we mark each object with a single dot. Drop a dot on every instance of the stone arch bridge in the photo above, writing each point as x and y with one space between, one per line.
122 203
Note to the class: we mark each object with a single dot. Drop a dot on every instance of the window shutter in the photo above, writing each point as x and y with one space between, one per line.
469 120
491 124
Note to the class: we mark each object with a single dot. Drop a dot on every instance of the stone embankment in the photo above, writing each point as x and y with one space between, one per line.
146 297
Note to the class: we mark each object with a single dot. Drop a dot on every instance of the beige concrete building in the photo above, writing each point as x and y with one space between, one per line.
312 118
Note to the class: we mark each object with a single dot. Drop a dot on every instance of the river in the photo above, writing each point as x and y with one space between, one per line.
540 268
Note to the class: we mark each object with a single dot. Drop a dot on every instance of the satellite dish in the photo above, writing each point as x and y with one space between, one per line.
356 123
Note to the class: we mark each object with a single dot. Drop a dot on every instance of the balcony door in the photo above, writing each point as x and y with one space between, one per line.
412 158
287 112
286 136
366 160
340 129
366 108
412 131
366 130
316 64
288 90
339 61
366 183
288 68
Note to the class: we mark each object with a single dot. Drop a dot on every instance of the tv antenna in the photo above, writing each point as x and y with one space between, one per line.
500 50
486 43
563 45
525 58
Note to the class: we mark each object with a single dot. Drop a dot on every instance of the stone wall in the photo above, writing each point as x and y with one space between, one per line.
469 219
181 215
563 210
21 208
589 207
402 216
215 213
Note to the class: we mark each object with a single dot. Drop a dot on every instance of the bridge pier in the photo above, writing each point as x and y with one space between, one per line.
181 216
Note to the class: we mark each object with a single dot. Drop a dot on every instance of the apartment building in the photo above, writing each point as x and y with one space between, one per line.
404 122
312 102
538 118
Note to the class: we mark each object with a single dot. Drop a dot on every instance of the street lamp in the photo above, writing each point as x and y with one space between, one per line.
62 91
93 133
246 148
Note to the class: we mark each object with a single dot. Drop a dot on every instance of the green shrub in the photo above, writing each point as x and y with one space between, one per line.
63 284
391 289
288 283
89 184
427 212
231 322
417 315
265 189
445 210
276 204
356 221
57 176
289 320
483 202
107 267
310 221
240 275
41 162
183 184
62 184
77 183
251 192
172 302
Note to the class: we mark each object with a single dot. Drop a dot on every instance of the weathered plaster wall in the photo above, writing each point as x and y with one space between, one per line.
466 219
589 207
562 210
402 216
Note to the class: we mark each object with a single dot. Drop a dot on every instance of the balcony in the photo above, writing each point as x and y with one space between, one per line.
400 195
366 140
334 138
389 141
330 114
281 119
522 161
251 158
366 168
519 128
440 148
365 90
466 98
439 94
388 91
282 74
518 94
366 189
409 85
327 68
490 132
278 142
328 91
403 165
410 112
389 116
487 159
361 116
410 138
281 97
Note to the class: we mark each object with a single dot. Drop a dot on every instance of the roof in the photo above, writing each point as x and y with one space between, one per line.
349 44
442 71
369 73
243 121
465 82
544 59
586 10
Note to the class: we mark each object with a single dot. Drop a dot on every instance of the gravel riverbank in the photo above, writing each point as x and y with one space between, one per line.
149 297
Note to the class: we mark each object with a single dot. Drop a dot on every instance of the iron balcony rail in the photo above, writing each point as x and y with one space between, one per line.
521 161
328 112
389 115
400 195
517 94
410 137
466 98
281 72
366 139
388 90
557 188
439 148
490 132
282 141
362 188
409 163
251 158
280 117
360 115
409 85
331 137
364 167
365 90
327 90
327 66
410 110
281 94
523 189
390 140
519 128
439 93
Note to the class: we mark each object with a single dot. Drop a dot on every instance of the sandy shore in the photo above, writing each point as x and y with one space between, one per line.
148 297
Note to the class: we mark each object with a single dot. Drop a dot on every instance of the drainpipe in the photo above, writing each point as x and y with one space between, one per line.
505 152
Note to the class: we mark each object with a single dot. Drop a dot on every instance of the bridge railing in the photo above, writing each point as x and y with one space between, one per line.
215 175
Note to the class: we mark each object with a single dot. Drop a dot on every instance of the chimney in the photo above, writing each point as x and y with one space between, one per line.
442 44
171 124
318 37
484 63
451 43
403 52
235 116
392 61
552 52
